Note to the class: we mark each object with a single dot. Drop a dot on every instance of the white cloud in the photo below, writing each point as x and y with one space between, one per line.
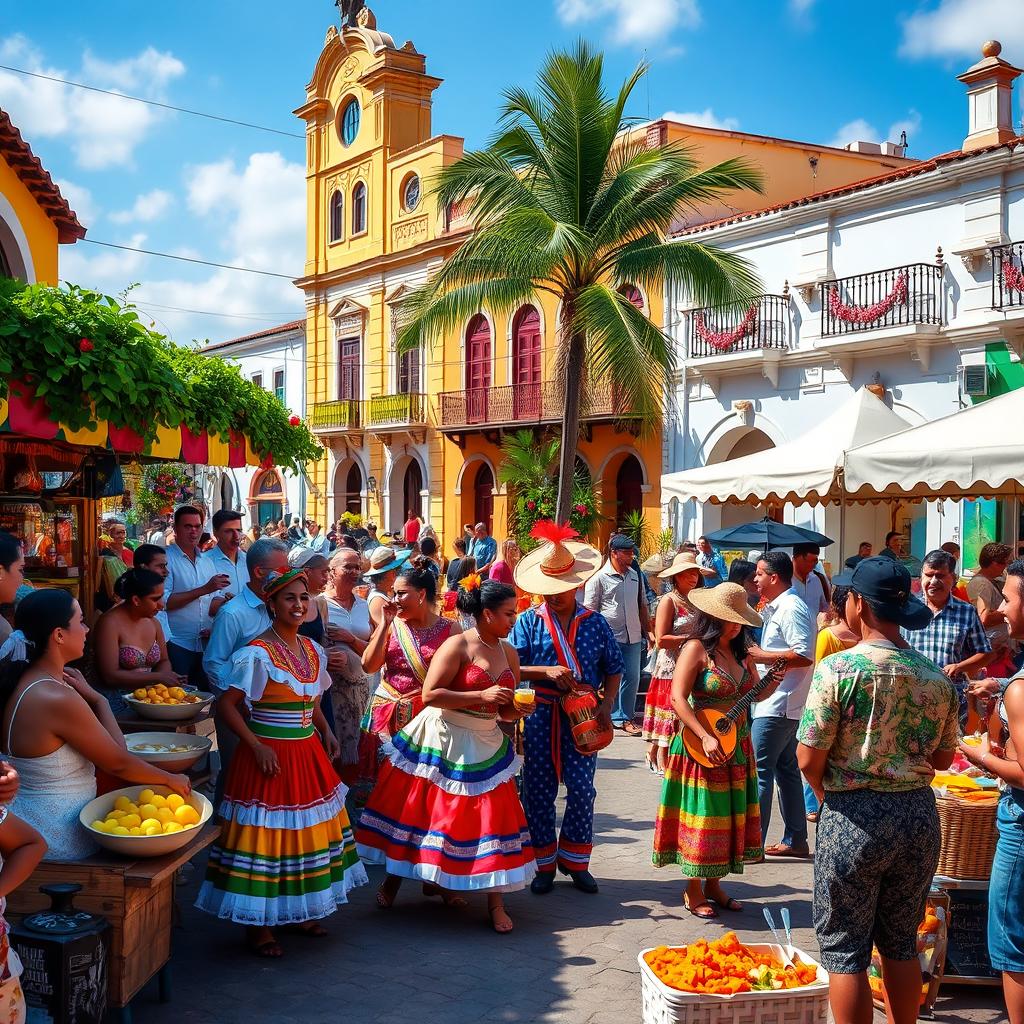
80 199
957 28
706 118
103 131
258 211
801 6
862 130
147 207
632 20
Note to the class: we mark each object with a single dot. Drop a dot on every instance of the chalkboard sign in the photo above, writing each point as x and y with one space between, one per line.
967 956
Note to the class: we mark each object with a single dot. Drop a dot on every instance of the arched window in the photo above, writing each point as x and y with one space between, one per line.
337 216
359 209
526 363
350 117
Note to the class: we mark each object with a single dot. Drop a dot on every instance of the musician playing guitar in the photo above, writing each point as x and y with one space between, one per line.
709 817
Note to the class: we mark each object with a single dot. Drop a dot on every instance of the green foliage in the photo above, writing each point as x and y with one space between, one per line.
565 202
351 521
634 525
92 359
530 467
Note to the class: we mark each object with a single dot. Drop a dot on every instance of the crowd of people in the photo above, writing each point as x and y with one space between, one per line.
444 703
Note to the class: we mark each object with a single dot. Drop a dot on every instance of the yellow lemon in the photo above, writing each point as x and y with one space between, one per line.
147 810
187 815
160 688
158 801
122 803
172 826
139 694
165 814
131 821
119 830
149 822
176 691
174 801
153 830
146 796
136 831
116 814
100 826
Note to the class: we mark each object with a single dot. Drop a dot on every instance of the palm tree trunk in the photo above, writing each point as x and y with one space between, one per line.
572 386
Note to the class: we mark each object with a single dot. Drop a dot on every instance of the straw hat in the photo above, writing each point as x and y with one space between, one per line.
727 601
560 565
384 559
683 562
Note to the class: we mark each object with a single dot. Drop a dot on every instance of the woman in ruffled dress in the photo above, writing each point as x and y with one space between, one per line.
446 810
286 855
671 631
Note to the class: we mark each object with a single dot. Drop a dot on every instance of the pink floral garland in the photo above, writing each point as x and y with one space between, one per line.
1013 278
723 340
867 314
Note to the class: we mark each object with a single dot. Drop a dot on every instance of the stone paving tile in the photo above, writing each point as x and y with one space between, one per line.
572 958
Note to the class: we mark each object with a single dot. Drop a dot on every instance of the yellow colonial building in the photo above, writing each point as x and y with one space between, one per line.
423 431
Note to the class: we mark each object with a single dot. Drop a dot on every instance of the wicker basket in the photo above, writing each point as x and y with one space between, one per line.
664 1005
968 837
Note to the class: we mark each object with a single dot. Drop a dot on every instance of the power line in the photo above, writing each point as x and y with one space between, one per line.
142 303
152 103
189 259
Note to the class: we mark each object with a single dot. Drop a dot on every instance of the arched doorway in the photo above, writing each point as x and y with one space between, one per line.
629 482
412 484
478 368
227 492
483 496
352 497
268 497
748 442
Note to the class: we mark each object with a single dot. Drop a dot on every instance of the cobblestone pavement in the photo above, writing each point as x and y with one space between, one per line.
571 958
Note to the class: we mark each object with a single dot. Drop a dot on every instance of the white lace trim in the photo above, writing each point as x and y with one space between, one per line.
258 815
492 881
251 668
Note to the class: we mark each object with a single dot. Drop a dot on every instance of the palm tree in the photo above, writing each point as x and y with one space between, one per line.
565 201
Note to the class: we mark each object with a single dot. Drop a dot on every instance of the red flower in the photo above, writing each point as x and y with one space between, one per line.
294 421
85 345
580 509
531 505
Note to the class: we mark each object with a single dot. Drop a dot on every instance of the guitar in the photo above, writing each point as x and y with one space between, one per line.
723 723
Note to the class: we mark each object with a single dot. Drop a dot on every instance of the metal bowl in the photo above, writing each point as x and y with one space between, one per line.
169 712
142 846
170 760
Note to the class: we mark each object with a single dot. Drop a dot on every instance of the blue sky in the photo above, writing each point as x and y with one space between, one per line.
826 71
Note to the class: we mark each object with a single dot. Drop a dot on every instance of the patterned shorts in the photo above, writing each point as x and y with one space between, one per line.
875 855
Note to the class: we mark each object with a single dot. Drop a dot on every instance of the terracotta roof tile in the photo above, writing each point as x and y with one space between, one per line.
18 154
910 171
292 325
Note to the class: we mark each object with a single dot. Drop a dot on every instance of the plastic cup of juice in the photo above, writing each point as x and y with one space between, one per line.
525 698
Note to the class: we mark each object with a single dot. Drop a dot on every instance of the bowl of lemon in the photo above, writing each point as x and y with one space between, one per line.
168 703
145 821
172 751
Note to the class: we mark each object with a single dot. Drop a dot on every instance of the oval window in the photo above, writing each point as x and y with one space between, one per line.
350 122
411 193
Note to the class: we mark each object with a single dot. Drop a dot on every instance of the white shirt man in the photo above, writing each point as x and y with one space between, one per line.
616 595
227 559
788 626
806 582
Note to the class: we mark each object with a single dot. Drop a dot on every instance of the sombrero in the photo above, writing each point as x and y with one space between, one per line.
683 562
559 565
727 601
384 559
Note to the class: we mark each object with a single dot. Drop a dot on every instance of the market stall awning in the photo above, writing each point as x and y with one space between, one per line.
977 452
802 470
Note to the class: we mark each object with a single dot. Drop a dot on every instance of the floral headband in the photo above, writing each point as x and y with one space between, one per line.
470 582
278 580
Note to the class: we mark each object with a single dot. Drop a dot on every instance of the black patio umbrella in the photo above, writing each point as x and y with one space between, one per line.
766 533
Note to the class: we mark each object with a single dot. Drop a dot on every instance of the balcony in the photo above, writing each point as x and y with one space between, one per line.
765 325
397 411
336 417
518 405
898 297
1008 276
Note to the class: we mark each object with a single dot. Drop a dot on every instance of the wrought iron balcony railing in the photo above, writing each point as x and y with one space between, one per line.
897 297
341 414
1008 276
513 404
765 324
398 410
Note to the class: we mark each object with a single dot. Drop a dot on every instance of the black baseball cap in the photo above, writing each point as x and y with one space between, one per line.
885 584
621 542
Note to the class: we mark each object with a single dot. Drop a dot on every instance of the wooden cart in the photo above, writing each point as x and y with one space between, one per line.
136 897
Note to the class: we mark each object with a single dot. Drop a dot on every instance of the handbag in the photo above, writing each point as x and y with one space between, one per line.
588 735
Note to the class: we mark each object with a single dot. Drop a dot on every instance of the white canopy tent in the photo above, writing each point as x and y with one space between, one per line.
806 469
977 452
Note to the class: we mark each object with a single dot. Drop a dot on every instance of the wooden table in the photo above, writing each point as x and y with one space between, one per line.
136 897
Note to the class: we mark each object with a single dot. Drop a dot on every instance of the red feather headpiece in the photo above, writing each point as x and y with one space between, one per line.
547 529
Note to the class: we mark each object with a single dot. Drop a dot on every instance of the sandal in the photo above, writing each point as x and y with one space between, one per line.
311 929
728 903
387 893
448 898
703 905
501 927
268 949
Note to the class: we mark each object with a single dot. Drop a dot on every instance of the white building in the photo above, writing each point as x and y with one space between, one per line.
909 279
275 359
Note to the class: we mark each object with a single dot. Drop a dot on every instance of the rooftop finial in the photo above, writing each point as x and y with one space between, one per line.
991 48
349 11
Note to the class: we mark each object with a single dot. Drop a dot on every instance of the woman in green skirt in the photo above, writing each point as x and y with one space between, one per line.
708 821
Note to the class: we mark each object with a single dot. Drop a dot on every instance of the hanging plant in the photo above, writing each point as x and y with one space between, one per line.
868 314
89 359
